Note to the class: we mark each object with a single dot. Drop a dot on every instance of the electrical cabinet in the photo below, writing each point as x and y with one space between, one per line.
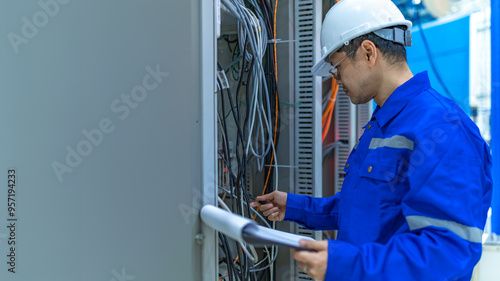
107 139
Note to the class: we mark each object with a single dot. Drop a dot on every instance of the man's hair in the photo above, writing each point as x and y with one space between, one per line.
392 51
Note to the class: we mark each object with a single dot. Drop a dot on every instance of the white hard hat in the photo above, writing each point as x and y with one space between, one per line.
349 19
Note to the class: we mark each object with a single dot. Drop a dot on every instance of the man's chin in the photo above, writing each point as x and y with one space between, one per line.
356 101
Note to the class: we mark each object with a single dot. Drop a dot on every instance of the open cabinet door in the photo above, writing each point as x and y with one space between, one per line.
106 151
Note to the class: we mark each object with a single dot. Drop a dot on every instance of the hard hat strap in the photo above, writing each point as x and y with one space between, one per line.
395 34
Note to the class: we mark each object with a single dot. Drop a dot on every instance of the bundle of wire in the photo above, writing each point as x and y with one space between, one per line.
328 111
254 69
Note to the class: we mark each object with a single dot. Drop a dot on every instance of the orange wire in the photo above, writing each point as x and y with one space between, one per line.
329 106
274 37
327 127
329 112
331 103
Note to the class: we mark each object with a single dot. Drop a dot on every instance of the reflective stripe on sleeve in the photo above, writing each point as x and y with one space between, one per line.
396 141
469 233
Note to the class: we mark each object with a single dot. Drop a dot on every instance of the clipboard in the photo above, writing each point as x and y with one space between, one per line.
245 230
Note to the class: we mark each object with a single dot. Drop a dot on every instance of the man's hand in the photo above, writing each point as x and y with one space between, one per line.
313 263
276 207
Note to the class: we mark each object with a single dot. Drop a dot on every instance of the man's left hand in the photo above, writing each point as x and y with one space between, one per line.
313 262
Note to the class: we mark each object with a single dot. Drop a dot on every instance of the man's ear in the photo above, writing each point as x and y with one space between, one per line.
370 54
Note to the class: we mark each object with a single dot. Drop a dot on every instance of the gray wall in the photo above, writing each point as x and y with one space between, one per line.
123 203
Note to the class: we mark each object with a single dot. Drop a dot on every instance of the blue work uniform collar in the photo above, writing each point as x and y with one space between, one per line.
400 98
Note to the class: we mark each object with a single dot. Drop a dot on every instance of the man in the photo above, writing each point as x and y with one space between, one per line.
418 185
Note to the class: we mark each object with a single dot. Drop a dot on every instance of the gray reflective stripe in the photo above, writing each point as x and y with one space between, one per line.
396 141
469 233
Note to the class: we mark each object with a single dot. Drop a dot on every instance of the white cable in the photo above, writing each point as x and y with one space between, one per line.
271 267
275 160
253 108
258 44
223 205
243 247
249 143
265 222
269 256
252 248
264 259
254 253
251 208
249 255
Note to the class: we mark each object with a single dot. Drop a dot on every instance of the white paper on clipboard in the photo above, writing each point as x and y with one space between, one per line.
247 231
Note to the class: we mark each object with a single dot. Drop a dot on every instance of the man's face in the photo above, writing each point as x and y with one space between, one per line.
353 76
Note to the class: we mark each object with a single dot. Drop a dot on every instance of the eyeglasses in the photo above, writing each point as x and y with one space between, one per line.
336 74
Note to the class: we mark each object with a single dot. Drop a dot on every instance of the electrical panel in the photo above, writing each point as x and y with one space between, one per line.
288 116
308 161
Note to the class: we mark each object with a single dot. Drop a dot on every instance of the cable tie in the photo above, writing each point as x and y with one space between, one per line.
223 79
272 41
282 166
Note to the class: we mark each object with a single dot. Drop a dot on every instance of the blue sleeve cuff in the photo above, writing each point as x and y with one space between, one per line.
295 208
313 213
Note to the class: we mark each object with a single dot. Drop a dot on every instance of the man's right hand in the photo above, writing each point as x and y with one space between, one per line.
275 208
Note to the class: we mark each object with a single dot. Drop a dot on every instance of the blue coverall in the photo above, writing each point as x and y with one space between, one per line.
414 201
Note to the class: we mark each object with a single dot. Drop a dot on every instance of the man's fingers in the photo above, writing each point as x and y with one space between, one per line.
270 211
266 207
274 216
315 262
262 207
313 245
266 197
304 256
